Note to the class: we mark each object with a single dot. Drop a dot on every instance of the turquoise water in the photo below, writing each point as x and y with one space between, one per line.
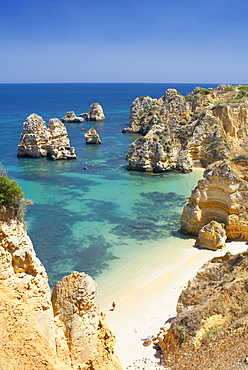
118 226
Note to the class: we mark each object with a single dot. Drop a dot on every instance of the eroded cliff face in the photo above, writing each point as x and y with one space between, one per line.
210 329
185 132
222 196
38 140
69 333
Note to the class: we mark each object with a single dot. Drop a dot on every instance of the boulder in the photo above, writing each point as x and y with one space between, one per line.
37 140
71 117
95 113
211 236
92 137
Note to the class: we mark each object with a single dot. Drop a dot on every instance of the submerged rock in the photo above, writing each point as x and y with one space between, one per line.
92 137
38 140
71 117
95 113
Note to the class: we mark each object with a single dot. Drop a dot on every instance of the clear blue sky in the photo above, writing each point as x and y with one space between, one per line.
124 41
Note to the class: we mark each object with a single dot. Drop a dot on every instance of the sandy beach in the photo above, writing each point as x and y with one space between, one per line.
146 309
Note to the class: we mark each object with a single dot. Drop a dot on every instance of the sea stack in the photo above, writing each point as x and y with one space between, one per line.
37 140
95 113
71 117
92 137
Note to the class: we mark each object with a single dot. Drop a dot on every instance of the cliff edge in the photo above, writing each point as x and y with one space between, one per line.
62 333
210 329
182 132
220 196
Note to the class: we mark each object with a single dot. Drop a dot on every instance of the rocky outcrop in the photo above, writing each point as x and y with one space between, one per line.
82 324
68 333
180 132
222 195
210 329
92 137
95 113
38 140
71 117
211 236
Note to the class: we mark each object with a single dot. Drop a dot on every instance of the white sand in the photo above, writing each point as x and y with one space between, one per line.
145 310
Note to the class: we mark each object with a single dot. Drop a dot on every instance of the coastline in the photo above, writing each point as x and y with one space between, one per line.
144 310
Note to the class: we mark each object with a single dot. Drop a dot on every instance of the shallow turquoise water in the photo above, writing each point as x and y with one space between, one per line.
106 221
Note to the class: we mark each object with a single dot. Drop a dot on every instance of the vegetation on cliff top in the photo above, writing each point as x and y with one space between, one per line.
12 197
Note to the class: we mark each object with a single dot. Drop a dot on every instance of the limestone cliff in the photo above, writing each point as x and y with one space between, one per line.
210 329
185 132
69 333
38 140
222 195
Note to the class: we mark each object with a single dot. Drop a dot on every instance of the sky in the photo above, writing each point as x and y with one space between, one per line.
202 41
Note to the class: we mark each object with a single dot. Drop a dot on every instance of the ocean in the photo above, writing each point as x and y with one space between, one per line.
121 227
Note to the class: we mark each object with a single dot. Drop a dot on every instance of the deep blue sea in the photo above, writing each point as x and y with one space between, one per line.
120 227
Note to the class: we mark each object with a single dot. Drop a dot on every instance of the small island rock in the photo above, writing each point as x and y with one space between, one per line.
95 113
92 137
71 117
37 140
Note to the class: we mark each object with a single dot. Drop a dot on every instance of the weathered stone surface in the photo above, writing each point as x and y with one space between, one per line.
211 236
76 312
24 276
95 113
73 335
209 330
186 132
71 117
38 140
222 195
92 137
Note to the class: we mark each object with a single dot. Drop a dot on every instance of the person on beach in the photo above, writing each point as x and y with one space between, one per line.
113 306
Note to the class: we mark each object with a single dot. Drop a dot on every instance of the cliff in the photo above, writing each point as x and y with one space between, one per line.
67 332
180 133
220 196
210 329
38 140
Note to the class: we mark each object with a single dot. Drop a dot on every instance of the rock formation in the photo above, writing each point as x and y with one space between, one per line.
185 132
68 333
211 236
222 195
95 113
38 140
92 137
210 329
88 339
71 117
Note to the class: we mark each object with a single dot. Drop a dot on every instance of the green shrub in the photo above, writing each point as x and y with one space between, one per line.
12 197
205 91
243 87
228 89
241 157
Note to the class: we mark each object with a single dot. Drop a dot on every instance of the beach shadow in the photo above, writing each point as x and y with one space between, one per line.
169 320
